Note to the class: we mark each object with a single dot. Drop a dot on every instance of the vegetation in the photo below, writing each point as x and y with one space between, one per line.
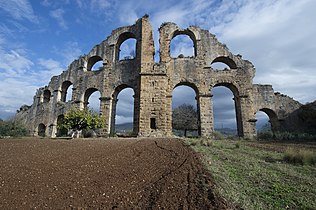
12 128
253 178
78 120
285 136
185 118
300 156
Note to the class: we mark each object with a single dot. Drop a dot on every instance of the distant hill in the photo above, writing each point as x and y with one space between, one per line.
124 128
302 120
227 131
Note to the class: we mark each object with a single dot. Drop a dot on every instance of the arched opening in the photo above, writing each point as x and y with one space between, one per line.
126 46
223 63
226 110
46 96
267 120
185 111
182 45
66 91
262 123
92 99
60 130
41 130
95 63
123 111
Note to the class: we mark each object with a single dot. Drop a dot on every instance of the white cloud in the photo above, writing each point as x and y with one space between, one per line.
19 9
277 37
12 63
70 52
58 14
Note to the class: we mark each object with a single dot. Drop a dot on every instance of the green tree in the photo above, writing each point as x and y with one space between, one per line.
78 120
12 127
185 118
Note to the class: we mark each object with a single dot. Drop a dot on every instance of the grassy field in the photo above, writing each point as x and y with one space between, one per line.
252 175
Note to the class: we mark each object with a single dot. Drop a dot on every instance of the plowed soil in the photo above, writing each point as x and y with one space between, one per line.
103 174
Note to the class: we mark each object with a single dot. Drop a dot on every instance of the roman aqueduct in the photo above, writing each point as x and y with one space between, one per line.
153 84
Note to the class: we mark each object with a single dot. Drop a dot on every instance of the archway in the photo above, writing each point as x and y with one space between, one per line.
61 131
41 130
92 99
66 91
226 110
128 49
123 111
185 111
223 63
95 63
182 45
46 96
267 120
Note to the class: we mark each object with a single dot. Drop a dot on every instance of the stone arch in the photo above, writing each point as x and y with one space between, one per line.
87 95
122 38
60 131
188 33
273 118
93 60
196 98
46 96
115 95
64 89
41 130
233 88
225 60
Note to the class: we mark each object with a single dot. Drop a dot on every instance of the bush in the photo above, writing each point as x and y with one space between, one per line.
218 135
285 136
299 156
13 128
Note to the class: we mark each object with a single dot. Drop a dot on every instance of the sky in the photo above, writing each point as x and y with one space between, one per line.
40 38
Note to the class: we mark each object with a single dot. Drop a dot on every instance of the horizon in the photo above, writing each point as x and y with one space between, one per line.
40 39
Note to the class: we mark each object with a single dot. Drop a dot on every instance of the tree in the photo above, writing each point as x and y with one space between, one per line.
185 117
13 127
78 120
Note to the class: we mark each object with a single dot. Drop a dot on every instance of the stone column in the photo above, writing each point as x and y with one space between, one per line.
206 115
248 119
136 113
105 112
112 116
168 123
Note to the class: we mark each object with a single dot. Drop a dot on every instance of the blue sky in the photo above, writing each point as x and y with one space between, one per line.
40 38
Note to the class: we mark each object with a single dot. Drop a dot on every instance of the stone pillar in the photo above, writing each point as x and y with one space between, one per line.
248 119
136 113
105 112
168 125
112 116
57 95
206 115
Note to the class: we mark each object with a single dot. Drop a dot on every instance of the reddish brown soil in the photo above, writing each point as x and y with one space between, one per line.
103 174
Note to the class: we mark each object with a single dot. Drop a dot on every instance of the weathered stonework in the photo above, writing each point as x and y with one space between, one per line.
153 84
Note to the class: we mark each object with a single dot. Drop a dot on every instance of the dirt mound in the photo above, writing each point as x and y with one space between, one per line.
106 174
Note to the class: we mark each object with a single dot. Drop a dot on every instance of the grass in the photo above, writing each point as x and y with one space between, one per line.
253 178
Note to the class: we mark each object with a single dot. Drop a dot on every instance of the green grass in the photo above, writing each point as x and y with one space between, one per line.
253 178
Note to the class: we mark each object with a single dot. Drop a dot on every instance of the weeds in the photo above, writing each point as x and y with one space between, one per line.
254 178
285 136
299 156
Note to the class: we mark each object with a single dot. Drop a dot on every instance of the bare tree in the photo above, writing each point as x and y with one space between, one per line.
185 118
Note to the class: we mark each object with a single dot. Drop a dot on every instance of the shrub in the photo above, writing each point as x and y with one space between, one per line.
237 144
217 135
299 156
12 128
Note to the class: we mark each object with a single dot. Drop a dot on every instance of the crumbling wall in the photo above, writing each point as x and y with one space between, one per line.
153 83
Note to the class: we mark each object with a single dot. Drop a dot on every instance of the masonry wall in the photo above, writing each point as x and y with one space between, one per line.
153 83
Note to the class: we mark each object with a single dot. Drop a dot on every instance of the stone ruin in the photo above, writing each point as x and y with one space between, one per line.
153 84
